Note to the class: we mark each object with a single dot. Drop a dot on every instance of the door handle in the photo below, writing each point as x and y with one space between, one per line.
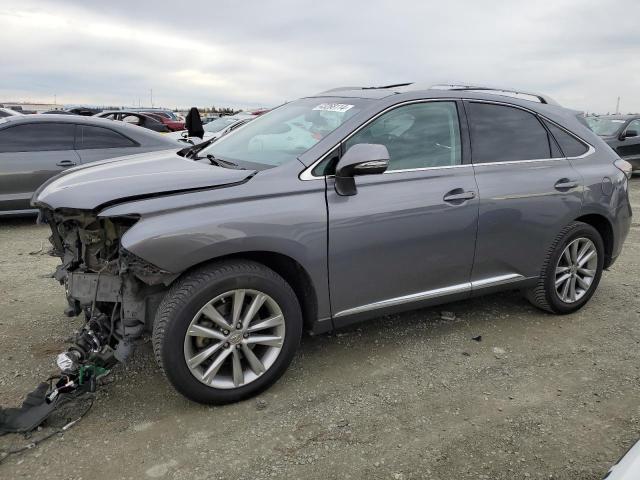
565 184
458 195
66 163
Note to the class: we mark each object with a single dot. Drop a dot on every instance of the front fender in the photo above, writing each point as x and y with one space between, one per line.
292 225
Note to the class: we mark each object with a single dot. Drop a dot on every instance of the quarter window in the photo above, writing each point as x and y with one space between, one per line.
37 137
98 137
571 147
420 135
501 133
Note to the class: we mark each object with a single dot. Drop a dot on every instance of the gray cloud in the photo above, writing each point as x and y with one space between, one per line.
251 53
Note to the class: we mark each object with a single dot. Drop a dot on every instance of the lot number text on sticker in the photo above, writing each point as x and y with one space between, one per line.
333 107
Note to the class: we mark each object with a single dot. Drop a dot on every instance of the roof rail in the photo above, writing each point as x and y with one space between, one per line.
337 89
497 90
393 85
382 87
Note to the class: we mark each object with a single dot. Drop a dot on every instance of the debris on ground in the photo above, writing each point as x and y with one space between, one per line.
477 338
449 316
261 404
499 352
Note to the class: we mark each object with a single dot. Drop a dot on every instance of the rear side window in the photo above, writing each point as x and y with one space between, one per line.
571 147
98 137
37 137
500 134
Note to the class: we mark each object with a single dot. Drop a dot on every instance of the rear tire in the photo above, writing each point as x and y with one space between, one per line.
206 344
566 283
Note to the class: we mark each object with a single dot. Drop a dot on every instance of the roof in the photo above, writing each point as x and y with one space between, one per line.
57 118
430 91
134 131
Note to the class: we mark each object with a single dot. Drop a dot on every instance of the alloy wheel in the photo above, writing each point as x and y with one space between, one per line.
234 338
576 270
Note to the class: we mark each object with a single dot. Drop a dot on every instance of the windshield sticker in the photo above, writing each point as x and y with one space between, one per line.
333 107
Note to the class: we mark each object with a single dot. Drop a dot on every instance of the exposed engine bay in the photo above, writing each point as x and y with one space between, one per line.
116 291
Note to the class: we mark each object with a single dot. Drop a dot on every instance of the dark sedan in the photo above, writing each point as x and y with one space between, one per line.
135 118
622 133
34 148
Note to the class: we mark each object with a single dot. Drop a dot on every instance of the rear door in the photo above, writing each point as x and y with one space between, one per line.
98 143
528 192
30 154
407 235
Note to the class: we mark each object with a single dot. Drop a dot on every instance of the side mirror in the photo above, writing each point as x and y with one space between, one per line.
360 159
629 134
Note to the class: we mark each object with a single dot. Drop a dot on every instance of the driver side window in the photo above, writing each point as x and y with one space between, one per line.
419 135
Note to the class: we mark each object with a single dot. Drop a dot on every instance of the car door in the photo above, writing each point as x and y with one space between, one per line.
628 147
407 236
99 143
30 154
528 192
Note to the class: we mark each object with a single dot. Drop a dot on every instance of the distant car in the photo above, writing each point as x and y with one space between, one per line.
34 148
214 129
8 112
84 111
135 118
59 112
163 117
622 133
162 111
627 467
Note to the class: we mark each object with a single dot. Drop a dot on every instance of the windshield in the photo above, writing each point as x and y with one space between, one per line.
219 124
605 126
284 133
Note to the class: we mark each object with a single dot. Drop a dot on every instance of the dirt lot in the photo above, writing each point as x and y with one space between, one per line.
403 397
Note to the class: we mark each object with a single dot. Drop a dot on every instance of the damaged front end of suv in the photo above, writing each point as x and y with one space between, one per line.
116 291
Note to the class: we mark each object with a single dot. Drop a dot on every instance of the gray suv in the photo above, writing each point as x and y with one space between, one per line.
330 210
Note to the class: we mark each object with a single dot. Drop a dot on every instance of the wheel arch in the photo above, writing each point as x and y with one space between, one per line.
288 268
605 229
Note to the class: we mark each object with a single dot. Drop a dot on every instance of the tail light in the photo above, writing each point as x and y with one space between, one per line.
624 166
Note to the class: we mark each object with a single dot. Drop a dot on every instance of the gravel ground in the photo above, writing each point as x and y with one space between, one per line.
402 397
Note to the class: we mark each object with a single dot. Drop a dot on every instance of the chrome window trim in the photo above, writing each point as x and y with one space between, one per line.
421 169
306 174
438 292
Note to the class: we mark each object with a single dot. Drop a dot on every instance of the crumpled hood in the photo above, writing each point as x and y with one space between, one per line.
95 185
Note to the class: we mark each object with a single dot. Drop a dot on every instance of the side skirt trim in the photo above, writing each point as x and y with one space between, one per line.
438 292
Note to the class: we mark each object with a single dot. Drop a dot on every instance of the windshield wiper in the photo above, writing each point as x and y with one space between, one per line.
193 150
223 163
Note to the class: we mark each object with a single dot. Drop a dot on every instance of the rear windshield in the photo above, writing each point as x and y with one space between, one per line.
286 132
605 126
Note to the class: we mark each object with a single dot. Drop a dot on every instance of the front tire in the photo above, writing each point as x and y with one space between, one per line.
227 331
571 271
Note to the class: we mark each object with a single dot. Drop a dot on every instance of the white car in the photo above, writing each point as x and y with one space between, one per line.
7 112
628 467
214 129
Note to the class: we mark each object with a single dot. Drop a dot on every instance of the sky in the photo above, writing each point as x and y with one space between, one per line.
246 53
